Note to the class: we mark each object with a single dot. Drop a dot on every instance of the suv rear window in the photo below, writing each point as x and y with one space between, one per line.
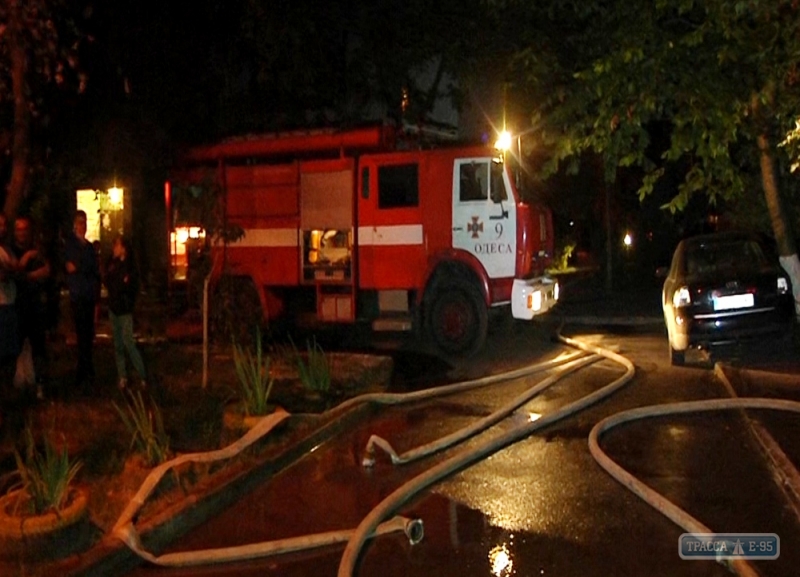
711 257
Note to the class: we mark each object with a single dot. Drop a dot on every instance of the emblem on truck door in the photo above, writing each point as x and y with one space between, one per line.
475 227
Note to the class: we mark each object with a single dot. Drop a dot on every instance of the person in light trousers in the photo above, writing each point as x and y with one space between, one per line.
122 284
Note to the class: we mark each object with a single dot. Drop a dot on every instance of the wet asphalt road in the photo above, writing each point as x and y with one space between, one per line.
541 506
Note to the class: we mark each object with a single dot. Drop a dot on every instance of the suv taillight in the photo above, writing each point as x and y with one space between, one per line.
682 297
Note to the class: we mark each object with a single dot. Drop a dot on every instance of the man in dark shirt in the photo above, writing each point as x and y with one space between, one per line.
83 283
9 341
33 272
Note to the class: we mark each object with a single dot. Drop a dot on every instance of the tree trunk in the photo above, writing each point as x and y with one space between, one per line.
18 182
787 249
609 241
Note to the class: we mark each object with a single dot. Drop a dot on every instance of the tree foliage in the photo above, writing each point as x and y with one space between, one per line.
236 66
340 61
711 76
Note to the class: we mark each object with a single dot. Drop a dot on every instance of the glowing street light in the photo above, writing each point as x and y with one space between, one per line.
628 240
503 141
115 196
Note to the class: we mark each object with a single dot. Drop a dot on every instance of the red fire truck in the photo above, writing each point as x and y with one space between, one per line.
351 226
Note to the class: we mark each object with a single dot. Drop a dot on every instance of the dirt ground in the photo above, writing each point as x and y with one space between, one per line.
85 420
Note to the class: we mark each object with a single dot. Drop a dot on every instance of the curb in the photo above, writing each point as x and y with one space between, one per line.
783 470
633 321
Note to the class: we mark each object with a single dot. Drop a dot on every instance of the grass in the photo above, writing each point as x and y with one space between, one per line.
314 369
45 476
255 380
146 426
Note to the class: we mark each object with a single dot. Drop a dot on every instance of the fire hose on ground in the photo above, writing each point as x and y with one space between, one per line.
445 390
467 457
394 501
125 529
475 428
373 524
655 499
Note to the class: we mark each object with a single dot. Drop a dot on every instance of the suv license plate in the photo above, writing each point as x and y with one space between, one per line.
733 302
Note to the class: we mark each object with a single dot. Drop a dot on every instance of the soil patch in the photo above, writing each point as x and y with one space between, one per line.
86 422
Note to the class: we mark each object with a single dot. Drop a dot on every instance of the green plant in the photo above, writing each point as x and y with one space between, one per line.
314 369
46 476
144 423
561 260
255 380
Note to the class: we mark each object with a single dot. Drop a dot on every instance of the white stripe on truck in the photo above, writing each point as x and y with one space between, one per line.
402 234
396 235
275 237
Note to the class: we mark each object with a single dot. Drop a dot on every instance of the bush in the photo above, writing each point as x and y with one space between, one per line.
314 369
45 476
255 380
561 260
144 423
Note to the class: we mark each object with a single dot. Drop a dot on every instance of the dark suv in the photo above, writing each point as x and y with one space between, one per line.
721 288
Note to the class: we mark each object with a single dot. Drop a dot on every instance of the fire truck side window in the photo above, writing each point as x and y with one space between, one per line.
474 181
398 186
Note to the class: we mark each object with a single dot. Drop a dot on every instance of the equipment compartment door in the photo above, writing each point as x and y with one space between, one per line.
391 237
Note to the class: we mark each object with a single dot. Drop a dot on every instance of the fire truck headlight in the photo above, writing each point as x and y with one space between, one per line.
535 301
556 290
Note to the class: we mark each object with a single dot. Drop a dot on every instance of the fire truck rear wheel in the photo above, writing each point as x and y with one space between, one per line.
457 318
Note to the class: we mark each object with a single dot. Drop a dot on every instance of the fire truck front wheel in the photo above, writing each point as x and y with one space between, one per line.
457 318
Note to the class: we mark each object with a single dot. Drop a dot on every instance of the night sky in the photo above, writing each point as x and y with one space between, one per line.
164 75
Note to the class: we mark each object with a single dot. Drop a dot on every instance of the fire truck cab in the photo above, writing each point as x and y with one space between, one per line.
345 227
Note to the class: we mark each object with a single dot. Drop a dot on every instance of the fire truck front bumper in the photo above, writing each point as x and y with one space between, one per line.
531 297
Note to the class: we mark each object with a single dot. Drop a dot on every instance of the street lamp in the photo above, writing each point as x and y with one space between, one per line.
628 240
503 142
115 196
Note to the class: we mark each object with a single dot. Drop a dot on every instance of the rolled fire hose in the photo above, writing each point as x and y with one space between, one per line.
470 455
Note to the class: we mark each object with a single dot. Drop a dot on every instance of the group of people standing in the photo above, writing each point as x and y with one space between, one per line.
25 271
